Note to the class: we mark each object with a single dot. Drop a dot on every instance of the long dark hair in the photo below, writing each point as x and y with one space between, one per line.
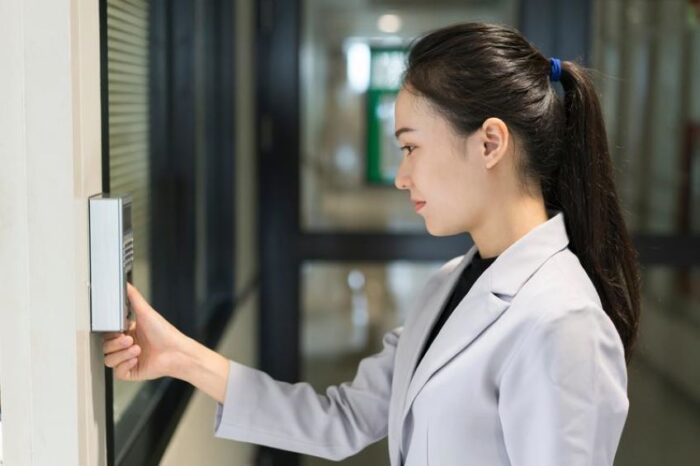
470 72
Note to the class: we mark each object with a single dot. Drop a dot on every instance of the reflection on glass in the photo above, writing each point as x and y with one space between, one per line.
352 56
648 55
663 426
346 309
127 43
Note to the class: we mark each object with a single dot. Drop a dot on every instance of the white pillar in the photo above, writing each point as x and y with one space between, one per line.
51 372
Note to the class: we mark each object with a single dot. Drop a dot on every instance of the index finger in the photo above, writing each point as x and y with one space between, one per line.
112 335
134 295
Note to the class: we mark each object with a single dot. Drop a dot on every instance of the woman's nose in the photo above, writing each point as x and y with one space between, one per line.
402 180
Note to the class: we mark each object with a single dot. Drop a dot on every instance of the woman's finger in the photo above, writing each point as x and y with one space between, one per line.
135 298
114 359
121 372
112 335
116 344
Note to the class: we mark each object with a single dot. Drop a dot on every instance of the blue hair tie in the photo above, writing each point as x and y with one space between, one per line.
555 73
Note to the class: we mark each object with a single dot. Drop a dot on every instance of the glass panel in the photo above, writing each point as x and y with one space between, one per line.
663 426
346 309
127 43
648 55
351 61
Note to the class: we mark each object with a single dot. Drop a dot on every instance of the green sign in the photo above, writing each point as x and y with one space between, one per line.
383 156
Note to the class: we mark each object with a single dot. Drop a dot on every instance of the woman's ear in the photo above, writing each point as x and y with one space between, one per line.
495 139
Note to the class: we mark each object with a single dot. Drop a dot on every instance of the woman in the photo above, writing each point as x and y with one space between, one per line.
514 353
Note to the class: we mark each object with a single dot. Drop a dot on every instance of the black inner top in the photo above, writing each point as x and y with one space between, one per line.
464 283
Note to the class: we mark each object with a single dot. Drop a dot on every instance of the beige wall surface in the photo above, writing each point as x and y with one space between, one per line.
51 373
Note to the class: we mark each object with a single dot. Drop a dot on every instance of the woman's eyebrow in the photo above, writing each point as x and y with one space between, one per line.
400 131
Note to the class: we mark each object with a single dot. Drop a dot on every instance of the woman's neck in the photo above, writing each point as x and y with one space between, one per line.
504 226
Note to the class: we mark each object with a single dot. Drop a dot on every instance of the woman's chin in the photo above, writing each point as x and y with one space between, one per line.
441 230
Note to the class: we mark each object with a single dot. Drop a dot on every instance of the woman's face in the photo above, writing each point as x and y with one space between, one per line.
444 171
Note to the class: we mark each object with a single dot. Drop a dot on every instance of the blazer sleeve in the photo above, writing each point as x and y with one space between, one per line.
563 396
334 425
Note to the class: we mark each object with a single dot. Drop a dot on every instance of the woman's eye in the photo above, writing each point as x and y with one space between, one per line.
408 147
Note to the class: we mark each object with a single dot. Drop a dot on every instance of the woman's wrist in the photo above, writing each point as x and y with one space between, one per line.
202 367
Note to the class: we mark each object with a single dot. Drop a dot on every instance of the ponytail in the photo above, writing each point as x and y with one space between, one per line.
584 189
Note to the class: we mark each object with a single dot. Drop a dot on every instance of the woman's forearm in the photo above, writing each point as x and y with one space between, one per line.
204 368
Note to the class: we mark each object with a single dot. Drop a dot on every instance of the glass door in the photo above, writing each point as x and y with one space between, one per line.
336 238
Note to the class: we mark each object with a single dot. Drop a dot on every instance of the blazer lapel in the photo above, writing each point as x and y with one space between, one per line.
418 332
485 302
474 314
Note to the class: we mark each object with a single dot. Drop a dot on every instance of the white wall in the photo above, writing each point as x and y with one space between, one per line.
193 441
51 372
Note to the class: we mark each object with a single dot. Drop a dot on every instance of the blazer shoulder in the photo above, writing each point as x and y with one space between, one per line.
561 283
561 296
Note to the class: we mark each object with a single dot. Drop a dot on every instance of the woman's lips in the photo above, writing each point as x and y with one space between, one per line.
418 205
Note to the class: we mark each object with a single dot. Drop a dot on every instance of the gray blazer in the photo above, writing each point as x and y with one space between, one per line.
527 371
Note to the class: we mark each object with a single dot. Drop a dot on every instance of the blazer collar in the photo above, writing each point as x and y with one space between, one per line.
485 302
520 260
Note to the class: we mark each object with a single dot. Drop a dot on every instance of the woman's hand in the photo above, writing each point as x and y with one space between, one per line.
149 349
